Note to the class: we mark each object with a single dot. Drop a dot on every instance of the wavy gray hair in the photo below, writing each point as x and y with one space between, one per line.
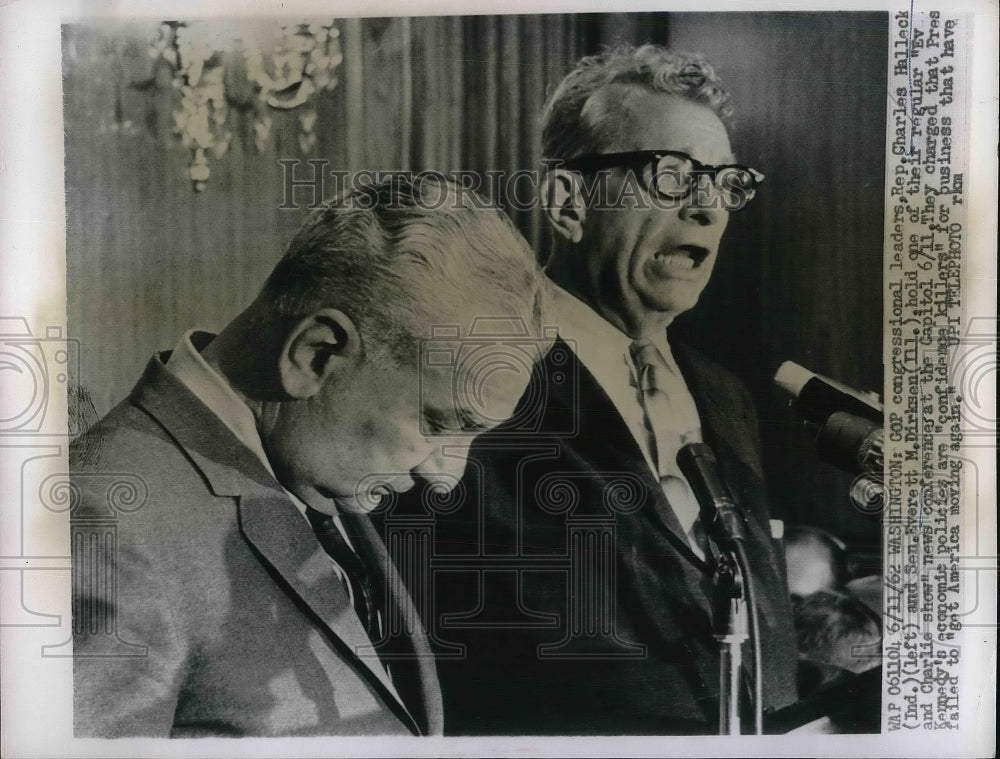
580 116
400 256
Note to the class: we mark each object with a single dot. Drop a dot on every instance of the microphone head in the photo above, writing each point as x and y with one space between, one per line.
716 508
791 377
817 397
694 451
851 443
700 468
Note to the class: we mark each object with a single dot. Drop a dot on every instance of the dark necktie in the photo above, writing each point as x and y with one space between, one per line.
359 579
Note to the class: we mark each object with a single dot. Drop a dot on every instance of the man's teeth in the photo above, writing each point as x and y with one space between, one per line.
676 258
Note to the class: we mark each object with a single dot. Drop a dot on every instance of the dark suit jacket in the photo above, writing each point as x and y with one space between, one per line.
203 603
568 580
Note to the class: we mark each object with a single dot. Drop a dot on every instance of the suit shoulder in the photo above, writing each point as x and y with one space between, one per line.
130 457
128 436
112 439
708 372
703 365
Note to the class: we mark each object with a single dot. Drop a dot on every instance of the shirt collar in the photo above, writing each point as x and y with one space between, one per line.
211 388
600 345
663 346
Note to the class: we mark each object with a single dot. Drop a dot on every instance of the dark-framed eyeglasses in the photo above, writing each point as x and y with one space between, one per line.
672 175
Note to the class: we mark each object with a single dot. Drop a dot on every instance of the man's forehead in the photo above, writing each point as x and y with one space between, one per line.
651 120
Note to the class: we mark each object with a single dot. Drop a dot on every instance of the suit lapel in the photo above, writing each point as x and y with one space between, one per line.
285 541
655 558
732 436
270 522
417 661
604 436
720 421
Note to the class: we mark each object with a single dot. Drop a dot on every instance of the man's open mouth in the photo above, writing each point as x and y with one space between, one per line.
687 256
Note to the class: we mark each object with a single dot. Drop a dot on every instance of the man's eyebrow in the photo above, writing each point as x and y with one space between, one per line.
440 420
729 160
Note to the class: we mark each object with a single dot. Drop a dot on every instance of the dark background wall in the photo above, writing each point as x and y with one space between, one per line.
800 272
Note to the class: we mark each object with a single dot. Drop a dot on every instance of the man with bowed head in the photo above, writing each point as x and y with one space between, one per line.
610 632
247 592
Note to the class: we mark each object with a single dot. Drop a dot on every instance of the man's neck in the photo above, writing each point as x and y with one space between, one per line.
577 284
246 358
243 358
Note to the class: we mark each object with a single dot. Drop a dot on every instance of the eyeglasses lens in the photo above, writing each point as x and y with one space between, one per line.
674 176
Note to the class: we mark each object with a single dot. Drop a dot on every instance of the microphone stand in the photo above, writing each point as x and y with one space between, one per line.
734 605
729 622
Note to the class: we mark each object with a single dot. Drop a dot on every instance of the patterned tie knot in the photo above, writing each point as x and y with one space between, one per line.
668 404
648 365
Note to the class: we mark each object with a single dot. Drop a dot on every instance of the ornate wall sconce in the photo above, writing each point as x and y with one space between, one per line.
252 66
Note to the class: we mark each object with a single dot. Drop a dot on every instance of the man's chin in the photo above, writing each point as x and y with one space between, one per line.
365 500
669 295
357 501
666 309
363 503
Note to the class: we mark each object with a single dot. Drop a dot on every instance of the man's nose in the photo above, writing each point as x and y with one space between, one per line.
445 466
704 205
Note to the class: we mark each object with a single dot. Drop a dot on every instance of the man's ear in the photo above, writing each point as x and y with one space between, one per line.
320 345
564 206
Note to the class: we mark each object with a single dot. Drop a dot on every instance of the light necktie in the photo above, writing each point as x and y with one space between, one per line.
671 421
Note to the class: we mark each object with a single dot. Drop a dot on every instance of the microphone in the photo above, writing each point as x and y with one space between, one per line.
719 514
851 443
817 397
850 434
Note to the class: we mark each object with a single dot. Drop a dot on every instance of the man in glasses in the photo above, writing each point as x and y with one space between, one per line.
597 618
